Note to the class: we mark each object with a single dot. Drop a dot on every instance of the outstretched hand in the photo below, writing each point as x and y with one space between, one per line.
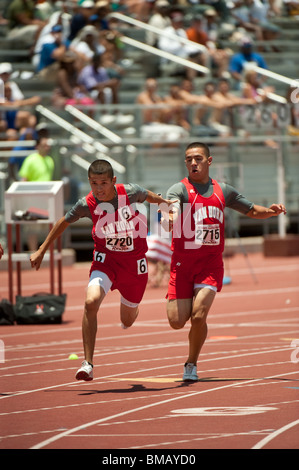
36 259
278 209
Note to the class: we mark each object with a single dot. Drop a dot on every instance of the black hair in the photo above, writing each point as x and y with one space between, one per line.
199 145
101 167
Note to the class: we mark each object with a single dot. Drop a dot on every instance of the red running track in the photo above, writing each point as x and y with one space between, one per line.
247 396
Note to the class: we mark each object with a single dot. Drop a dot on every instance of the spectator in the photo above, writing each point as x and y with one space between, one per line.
159 258
50 54
159 19
23 26
68 90
155 125
241 15
252 86
139 9
150 97
167 43
87 44
18 118
222 118
176 111
38 166
5 75
201 121
102 9
15 162
259 13
60 17
95 79
81 18
244 59
216 58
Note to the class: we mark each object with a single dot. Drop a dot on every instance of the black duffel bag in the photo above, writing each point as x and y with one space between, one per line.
39 308
7 312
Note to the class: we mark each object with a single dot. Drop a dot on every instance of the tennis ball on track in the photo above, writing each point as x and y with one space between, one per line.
73 356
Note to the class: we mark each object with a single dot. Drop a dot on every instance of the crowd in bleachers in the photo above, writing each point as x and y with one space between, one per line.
77 46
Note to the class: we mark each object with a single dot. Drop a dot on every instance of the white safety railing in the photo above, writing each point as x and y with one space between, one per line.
159 52
275 76
90 144
158 31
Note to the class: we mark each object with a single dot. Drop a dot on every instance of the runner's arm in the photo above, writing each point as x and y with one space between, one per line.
261 212
37 257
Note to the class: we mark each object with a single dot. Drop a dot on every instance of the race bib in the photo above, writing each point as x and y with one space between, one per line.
98 256
207 234
120 242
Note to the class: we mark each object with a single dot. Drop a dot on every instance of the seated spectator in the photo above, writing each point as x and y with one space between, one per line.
95 79
60 17
50 54
68 90
202 113
241 15
167 43
149 97
5 75
81 18
159 19
139 9
176 111
244 59
24 28
253 89
87 44
18 118
215 58
155 125
102 10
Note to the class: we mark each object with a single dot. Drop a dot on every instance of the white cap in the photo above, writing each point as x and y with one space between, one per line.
5 67
87 4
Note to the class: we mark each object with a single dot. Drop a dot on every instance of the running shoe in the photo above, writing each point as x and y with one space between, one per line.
190 372
85 372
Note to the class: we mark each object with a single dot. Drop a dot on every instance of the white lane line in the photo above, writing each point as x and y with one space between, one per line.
273 435
134 410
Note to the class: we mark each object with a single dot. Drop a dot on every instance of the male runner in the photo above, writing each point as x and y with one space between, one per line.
119 260
197 223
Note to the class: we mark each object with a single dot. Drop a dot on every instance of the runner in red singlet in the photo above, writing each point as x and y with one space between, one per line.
197 225
119 256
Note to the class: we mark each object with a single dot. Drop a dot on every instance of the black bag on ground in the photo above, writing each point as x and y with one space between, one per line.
39 308
7 313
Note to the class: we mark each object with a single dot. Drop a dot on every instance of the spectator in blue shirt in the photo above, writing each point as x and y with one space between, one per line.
242 60
51 52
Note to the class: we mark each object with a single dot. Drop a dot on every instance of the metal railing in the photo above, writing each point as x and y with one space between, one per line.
158 52
88 142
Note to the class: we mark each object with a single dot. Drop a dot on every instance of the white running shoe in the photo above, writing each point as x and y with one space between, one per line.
190 372
85 372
